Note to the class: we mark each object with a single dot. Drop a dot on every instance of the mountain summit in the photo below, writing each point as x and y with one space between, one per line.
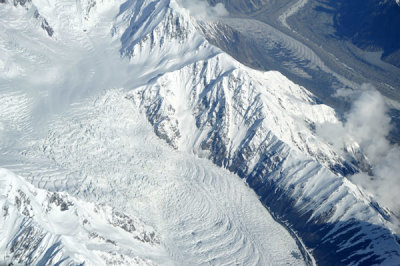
131 136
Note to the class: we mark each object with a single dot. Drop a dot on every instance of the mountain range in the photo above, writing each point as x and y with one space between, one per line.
133 134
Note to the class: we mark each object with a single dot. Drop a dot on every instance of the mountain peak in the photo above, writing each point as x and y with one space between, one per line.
140 142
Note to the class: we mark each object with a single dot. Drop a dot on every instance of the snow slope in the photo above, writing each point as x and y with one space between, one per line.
194 206
47 228
260 126
74 118
67 128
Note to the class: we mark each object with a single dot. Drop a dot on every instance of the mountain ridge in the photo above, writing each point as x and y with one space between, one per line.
203 102
216 145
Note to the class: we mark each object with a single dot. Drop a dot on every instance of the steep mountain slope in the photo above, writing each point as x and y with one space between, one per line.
65 127
47 228
73 130
347 44
231 115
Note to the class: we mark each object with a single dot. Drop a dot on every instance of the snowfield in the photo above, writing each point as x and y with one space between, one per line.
40 227
67 127
129 139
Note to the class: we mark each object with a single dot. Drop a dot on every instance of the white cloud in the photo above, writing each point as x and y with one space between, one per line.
368 124
200 8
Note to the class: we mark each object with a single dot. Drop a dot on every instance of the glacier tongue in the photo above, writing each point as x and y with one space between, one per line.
79 112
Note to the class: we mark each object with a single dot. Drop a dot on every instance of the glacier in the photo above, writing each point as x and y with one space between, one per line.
128 116
39 227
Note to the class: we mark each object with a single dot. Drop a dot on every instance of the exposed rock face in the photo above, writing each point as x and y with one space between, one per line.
46 220
258 125
43 23
232 115
27 4
338 31
21 2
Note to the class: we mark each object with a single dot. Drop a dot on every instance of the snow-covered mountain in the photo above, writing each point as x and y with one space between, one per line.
79 112
47 228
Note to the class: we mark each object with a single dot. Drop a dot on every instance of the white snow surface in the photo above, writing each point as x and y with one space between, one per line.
78 114
39 227
68 127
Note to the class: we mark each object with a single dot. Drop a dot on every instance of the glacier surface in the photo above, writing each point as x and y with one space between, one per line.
130 118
